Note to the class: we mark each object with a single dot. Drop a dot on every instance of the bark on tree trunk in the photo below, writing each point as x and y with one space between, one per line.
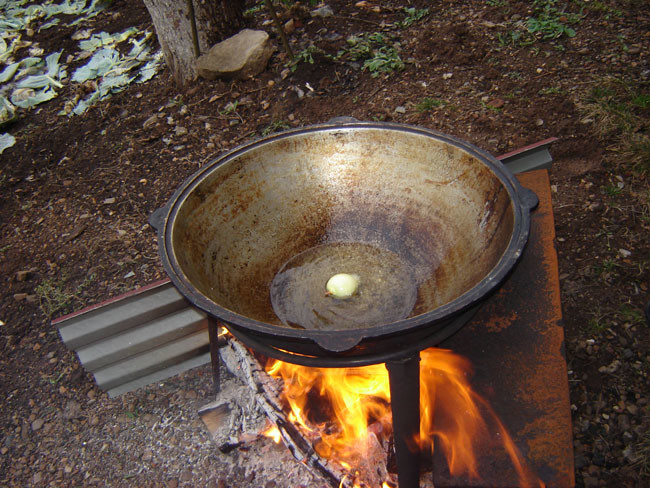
215 21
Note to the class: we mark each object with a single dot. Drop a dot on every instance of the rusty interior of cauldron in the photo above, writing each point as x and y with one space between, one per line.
422 218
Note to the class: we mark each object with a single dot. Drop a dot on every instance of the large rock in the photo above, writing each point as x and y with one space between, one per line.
243 55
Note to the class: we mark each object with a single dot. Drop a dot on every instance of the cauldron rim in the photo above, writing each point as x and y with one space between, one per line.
329 342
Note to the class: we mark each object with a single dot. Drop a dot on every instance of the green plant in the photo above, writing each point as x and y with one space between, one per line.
619 109
551 90
613 190
54 380
412 15
384 60
304 56
133 414
641 100
597 322
638 153
490 107
230 108
549 22
607 266
601 7
53 296
379 54
631 315
249 12
428 103
497 3
275 126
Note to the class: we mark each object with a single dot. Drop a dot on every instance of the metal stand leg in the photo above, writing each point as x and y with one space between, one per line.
213 333
404 377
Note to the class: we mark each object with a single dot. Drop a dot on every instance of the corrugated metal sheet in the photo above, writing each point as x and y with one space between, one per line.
154 333
137 339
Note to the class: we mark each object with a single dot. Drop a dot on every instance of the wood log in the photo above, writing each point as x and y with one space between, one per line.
241 363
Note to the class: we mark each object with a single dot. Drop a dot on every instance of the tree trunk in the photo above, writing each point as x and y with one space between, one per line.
215 21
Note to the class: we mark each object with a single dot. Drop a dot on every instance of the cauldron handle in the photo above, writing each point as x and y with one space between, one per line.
528 197
157 218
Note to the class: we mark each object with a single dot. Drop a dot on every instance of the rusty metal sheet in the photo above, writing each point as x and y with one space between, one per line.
516 344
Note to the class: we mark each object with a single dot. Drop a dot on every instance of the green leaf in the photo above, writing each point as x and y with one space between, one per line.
101 62
6 141
28 97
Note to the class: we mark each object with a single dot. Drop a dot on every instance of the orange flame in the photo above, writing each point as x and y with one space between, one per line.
273 432
338 408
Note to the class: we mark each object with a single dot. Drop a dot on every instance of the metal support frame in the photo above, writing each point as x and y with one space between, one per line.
213 331
404 379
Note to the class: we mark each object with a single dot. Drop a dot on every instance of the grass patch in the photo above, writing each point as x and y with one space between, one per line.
619 110
427 104
53 296
275 126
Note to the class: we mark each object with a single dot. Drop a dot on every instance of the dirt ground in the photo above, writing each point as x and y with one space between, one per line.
76 193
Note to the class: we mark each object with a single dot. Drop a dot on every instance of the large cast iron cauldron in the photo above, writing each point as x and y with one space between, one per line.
429 223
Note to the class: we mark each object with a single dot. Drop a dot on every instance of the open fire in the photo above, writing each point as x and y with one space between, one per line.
346 414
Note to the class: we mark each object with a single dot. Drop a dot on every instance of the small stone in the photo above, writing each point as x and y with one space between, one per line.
147 455
180 131
322 12
172 483
150 122
241 56
400 110
289 26
446 76
496 103
37 478
109 201
20 297
72 410
539 122
37 424
22 275
594 206
624 253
